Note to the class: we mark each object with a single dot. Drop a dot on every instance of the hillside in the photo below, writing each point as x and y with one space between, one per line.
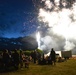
18 43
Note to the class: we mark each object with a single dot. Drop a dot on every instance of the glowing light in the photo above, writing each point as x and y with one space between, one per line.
38 39
60 21
60 16
74 10
48 4
57 2
46 16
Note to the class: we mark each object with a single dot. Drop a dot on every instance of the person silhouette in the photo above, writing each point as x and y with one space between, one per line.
53 56
15 57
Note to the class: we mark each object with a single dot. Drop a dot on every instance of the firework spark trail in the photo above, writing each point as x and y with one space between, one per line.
38 39
60 15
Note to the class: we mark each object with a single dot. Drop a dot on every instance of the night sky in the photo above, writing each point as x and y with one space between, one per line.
54 20
18 18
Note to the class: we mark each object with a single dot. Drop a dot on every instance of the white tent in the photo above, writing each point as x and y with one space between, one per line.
57 52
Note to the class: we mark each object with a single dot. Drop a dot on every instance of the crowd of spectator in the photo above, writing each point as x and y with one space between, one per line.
17 59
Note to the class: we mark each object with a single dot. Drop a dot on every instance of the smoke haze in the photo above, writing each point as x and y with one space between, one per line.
58 19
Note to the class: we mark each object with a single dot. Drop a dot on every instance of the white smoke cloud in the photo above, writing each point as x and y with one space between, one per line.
69 45
48 43
48 4
61 21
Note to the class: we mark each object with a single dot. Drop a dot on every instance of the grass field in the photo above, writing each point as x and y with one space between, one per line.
64 68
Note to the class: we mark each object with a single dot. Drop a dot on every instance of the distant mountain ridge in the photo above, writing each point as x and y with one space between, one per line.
24 43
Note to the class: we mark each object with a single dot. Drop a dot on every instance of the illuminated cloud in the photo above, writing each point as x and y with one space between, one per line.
60 16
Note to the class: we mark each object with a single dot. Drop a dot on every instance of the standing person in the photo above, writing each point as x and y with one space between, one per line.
21 59
35 56
39 58
53 56
5 59
15 57
1 64
25 60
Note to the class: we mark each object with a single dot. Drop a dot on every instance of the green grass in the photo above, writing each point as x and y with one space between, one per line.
64 68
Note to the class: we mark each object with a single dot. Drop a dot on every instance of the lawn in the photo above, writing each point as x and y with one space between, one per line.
64 68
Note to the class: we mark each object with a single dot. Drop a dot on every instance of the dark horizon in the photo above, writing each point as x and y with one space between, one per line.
24 43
